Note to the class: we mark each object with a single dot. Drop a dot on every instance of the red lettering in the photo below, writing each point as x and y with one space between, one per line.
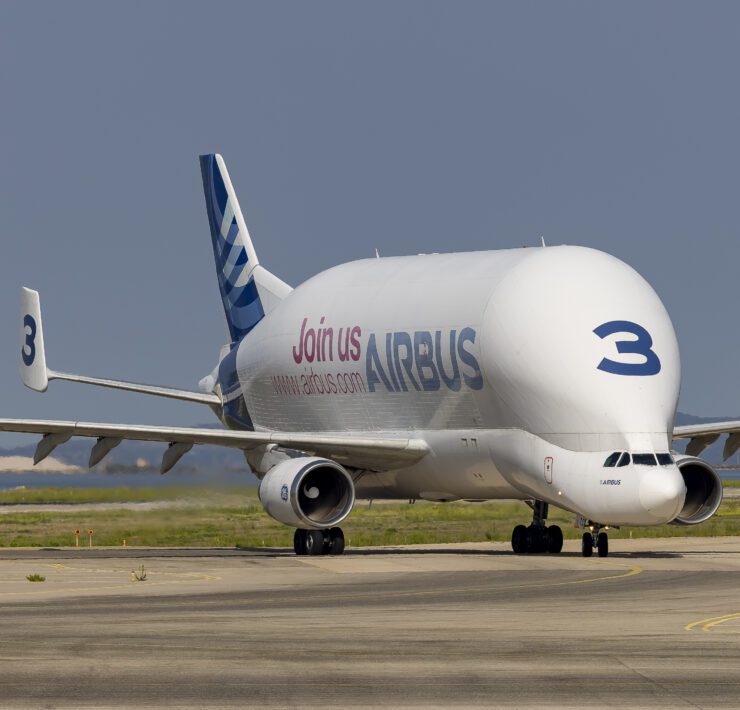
343 355
355 337
310 354
298 356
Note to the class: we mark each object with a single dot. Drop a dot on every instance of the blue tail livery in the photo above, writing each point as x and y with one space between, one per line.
232 249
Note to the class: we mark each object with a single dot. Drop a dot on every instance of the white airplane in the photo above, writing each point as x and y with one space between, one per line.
549 375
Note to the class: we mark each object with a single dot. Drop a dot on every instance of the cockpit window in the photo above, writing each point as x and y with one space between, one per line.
665 459
611 460
624 460
644 459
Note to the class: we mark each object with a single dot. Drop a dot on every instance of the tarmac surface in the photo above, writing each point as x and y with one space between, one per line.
654 625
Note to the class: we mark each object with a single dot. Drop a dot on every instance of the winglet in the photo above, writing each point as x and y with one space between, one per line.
33 358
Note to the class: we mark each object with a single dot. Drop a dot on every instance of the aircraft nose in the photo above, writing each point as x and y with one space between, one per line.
662 493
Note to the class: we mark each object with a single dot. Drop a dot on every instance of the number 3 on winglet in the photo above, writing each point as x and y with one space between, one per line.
28 352
642 346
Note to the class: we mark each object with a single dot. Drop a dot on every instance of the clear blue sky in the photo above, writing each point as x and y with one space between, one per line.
406 126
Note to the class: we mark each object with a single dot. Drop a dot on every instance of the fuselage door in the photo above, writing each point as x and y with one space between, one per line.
548 469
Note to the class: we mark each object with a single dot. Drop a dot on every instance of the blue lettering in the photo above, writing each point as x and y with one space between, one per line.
454 383
375 372
424 357
30 356
389 360
418 361
474 381
642 346
400 338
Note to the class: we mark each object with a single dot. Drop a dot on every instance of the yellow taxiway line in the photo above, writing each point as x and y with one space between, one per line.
711 622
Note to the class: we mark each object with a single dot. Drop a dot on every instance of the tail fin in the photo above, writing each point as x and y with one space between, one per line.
247 290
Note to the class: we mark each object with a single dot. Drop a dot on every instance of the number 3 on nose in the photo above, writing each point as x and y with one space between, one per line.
642 346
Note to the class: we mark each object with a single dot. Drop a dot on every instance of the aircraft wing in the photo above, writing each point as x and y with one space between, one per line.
367 452
703 435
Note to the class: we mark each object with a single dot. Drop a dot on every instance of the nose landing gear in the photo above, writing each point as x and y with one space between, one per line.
318 542
538 537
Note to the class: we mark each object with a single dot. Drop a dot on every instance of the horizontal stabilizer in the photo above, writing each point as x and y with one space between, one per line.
36 375
168 392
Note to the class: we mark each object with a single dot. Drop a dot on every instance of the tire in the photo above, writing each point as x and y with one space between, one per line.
299 541
336 536
519 540
314 542
602 544
587 544
554 539
535 539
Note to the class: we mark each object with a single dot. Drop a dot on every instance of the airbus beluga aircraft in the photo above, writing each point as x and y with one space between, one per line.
549 375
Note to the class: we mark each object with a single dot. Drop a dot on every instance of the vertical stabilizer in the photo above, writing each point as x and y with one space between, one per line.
232 248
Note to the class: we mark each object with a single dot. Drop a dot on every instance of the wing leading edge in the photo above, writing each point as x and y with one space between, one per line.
366 452
703 435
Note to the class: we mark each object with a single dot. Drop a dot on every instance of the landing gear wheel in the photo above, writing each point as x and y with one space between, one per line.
554 539
602 544
336 537
587 544
299 541
519 540
314 542
537 538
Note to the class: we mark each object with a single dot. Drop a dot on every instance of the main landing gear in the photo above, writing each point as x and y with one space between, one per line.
537 537
595 540
318 542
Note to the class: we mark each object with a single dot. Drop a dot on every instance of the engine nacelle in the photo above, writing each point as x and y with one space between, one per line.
307 492
703 491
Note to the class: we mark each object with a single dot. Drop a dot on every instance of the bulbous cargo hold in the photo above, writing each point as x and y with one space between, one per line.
703 491
308 492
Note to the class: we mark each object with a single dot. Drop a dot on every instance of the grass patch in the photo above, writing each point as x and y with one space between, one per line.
122 494
35 578
236 519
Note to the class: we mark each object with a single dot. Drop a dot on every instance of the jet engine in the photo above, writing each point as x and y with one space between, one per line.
703 491
307 492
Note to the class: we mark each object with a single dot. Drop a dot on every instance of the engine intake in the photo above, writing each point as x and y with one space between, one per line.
307 492
703 491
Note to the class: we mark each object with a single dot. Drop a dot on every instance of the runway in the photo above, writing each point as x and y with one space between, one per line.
655 625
